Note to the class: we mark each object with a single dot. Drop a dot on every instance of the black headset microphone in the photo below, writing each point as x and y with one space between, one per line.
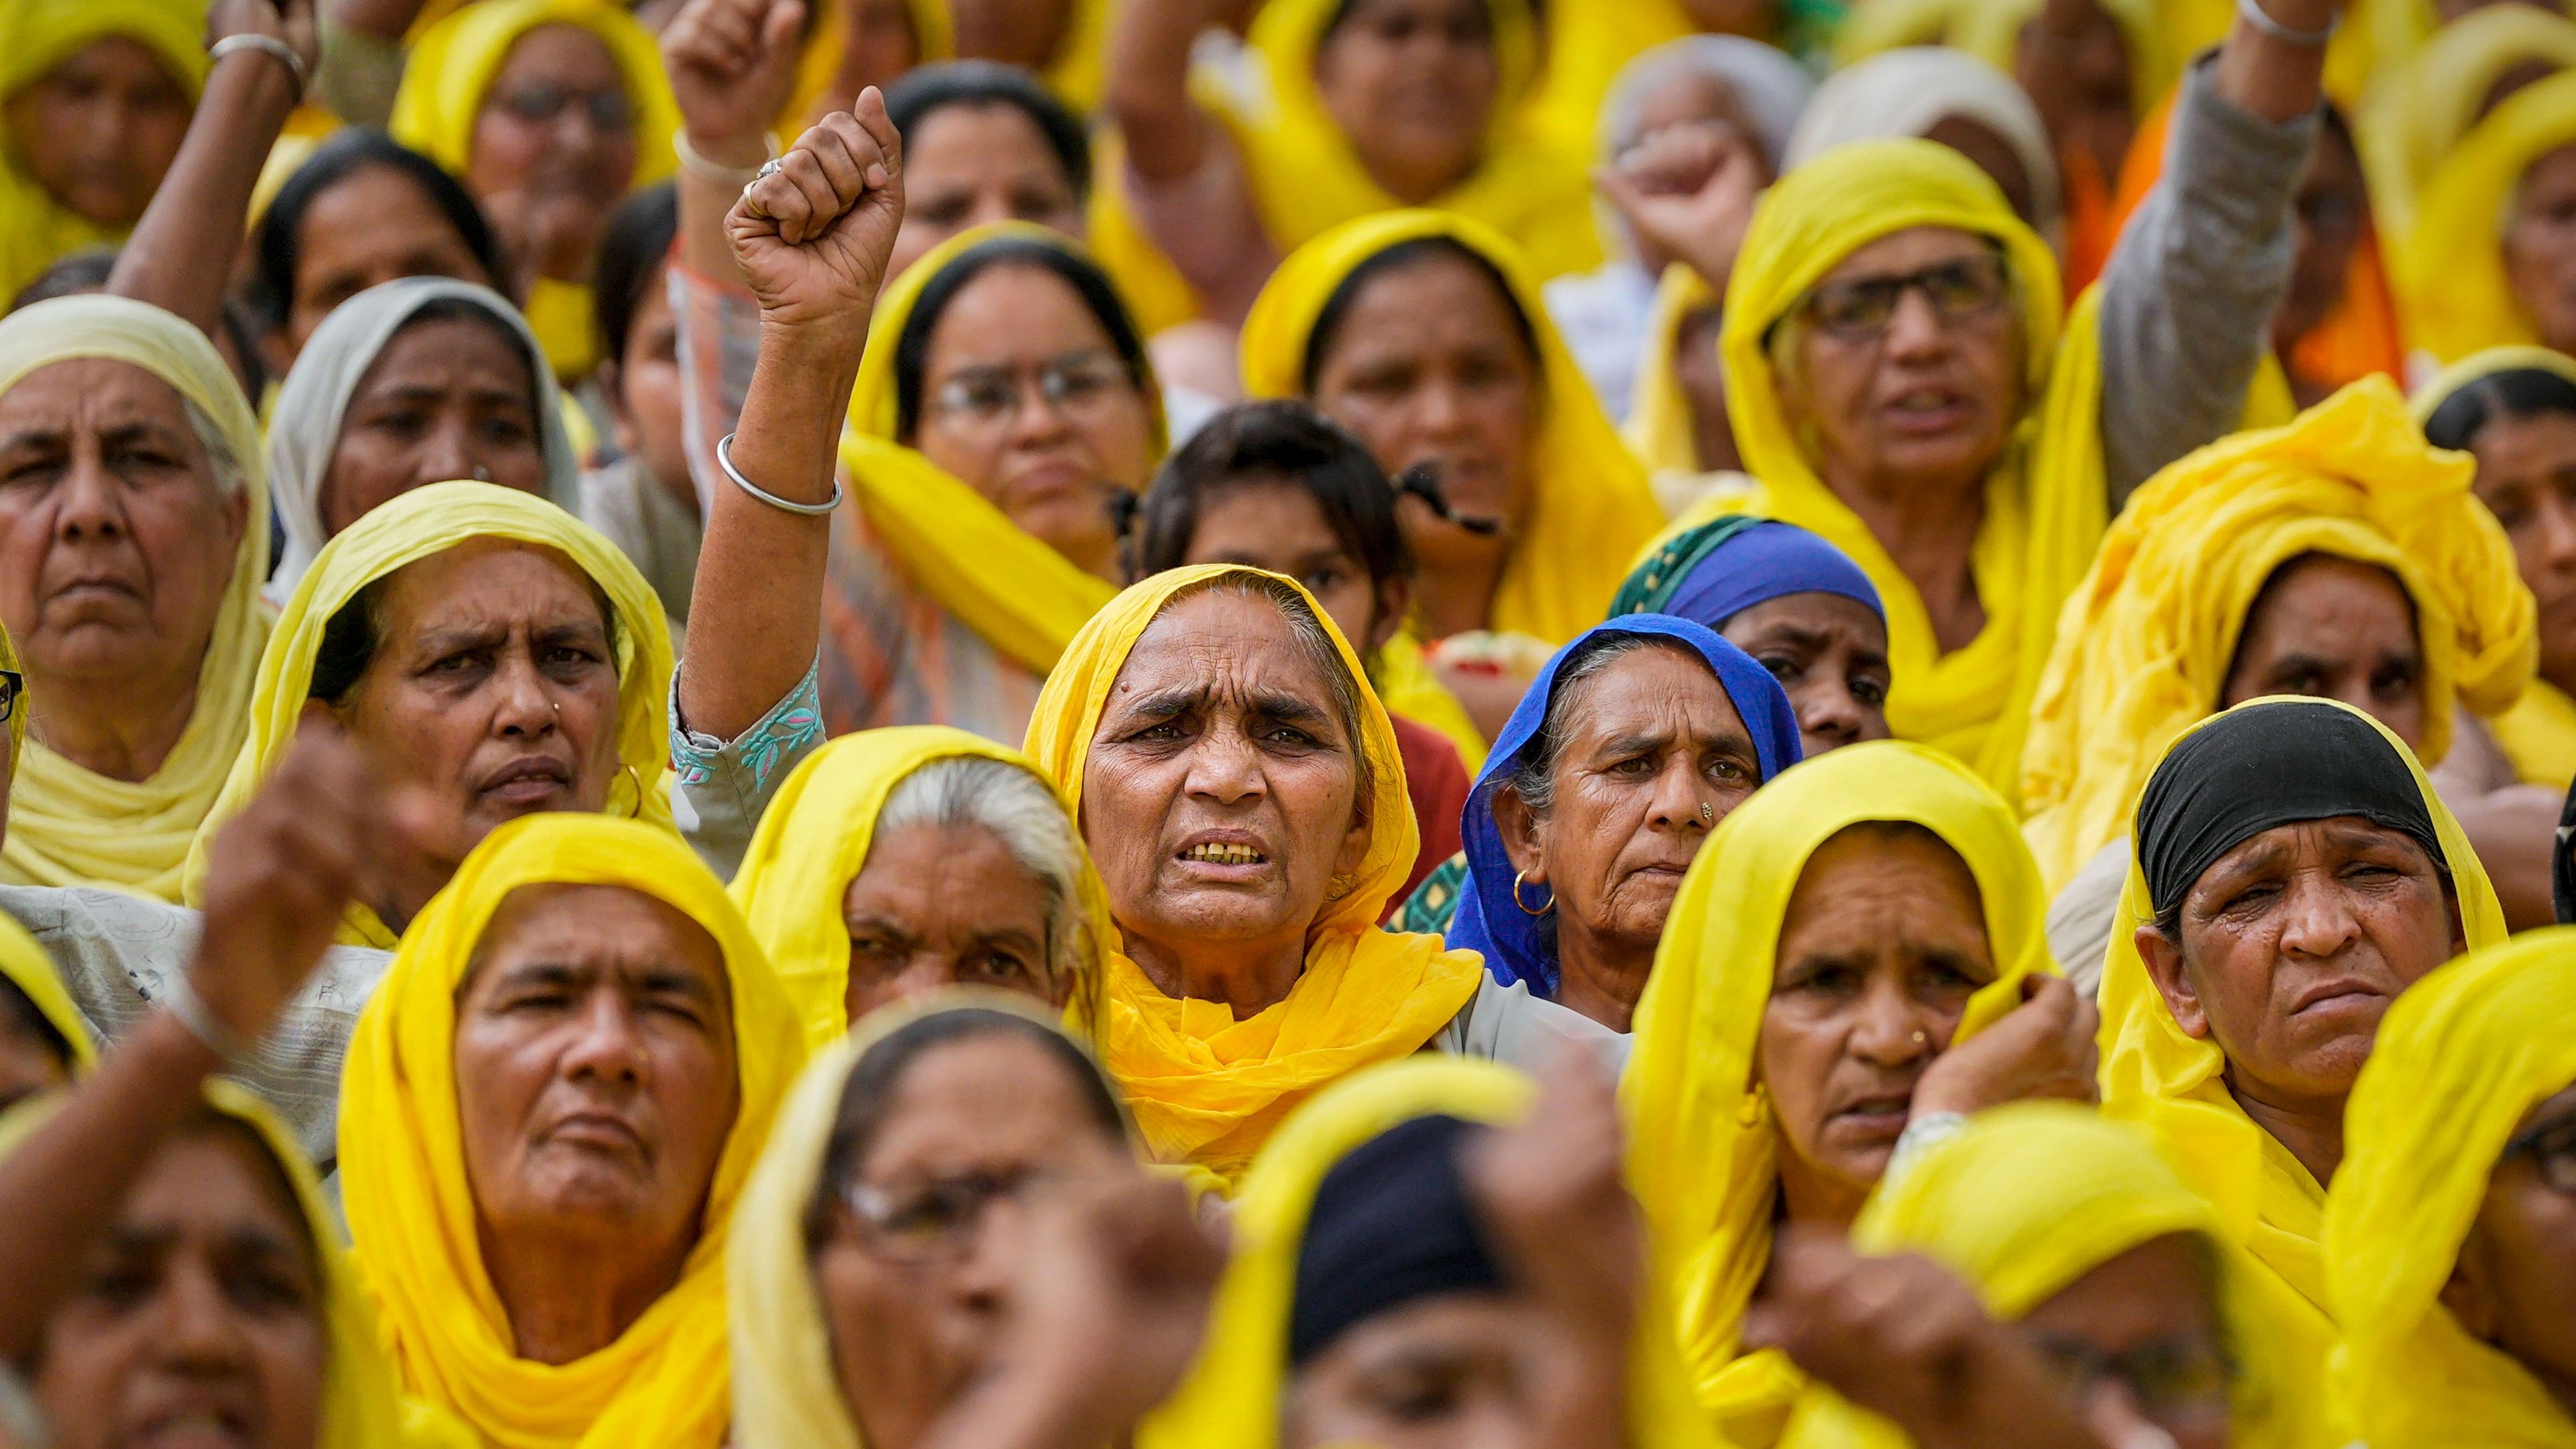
1422 481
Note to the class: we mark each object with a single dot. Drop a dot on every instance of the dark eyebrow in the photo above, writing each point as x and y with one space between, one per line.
458 640
1636 743
2300 663
1166 703
540 973
1287 708
1793 635
664 981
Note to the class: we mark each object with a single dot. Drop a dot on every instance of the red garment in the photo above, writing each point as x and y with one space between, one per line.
1435 780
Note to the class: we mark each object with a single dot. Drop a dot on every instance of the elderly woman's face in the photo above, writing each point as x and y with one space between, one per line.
1923 394
1882 945
1412 84
2527 478
448 398
1830 653
117 540
1459 1371
100 129
945 905
2294 944
917 1277
965 166
372 226
595 1074
2140 1339
1222 794
1025 397
2336 629
2515 1283
2540 247
554 145
198 1317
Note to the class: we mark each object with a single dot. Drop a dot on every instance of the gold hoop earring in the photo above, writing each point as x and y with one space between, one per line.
1517 878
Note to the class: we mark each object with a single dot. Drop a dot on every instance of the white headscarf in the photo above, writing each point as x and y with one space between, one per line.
1906 92
304 426
1770 87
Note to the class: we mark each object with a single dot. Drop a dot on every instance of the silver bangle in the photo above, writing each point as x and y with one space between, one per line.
695 161
2253 13
1919 1137
724 460
268 44
179 998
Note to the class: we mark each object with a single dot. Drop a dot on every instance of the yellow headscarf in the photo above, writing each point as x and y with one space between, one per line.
37 35
2172 1084
1587 47
2460 1058
1205 1087
1992 30
827 36
411 1209
1703 1146
2046 503
2429 99
786 1393
67 825
26 965
1661 429
2030 1197
445 80
2450 269
1233 1395
813 841
1873 26
2538 734
412 527
2144 646
1307 179
1589 511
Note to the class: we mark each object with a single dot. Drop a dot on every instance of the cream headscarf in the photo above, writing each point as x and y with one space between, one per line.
67 825
411 1207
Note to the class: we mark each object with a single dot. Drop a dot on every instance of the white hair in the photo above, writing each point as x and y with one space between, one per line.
220 458
1020 811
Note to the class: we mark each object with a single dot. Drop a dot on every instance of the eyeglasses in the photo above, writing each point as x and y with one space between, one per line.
2552 1149
2178 1378
543 105
1859 310
13 687
937 1222
985 397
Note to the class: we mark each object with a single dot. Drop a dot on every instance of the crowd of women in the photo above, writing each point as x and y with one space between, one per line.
1056 724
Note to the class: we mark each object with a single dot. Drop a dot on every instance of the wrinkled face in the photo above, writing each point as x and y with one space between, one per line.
917 1295
1830 653
1411 85
2527 476
1222 794
2294 944
198 1318
2332 209
1927 398
1025 33
2540 247
945 905
1460 1371
644 394
1654 740
595 1073
31 1057
1429 366
2336 629
964 166
2516 1275
1988 151
99 130
493 686
1883 943
554 142
1009 337
1281 527
2139 1339
446 398
372 226
116 539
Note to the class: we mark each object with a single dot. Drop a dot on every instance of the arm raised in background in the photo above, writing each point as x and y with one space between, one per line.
1184 177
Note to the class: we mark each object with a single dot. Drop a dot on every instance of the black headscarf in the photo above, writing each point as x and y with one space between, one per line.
2562 862
2276 762
1391 1224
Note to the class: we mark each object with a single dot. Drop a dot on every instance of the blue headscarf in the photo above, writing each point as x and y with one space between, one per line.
1713 572
1522 947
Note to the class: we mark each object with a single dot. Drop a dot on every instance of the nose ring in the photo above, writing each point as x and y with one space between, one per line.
1707 813
1922 1038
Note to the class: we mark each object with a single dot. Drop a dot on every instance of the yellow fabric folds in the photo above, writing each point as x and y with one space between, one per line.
26 965
1589 510
18 710
2144 645
2429 99
1702 1147
1233 1394
813 841
67 825
411 1209
2170 1083
934 39
1992 30
1206 1088
1660 428
412 527
2460 1058
2046 503
2450 269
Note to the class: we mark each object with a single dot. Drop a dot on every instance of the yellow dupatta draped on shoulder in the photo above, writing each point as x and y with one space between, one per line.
2461 1057
1703 1144
813 841
411 1208
412 527
2145 644
1205 1087
2171 1083
28 966
2450 269
69 825
1234 1395
1020 595
1589 509
2046 500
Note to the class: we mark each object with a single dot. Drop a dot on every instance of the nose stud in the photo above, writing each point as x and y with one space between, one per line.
1922 1038
1707 813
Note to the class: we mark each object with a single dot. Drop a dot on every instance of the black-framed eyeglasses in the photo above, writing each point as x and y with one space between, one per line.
13 687
542 105
2552 1150
933 1222
1959 291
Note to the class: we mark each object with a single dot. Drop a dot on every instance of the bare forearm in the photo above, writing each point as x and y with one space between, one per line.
178 258
2279 80
1149 87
